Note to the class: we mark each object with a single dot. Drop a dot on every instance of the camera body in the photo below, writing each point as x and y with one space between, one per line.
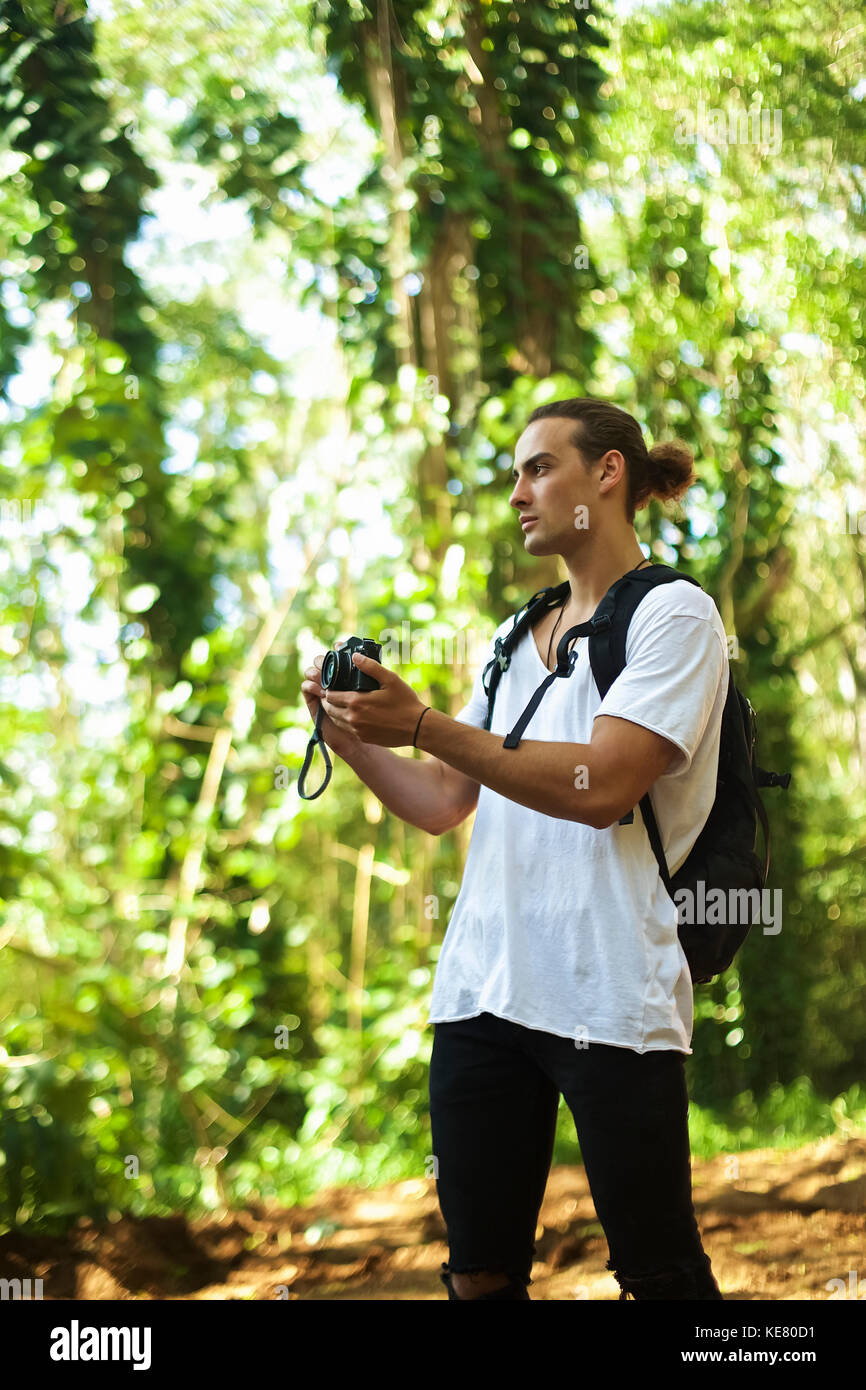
339 671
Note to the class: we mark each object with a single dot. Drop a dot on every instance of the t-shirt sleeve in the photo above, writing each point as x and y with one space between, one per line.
674 664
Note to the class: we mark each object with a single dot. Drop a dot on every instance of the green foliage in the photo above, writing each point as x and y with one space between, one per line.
278 404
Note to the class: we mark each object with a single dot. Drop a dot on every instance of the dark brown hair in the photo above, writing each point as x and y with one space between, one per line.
664 471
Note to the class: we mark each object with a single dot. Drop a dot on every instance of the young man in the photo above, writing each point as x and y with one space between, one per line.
561 971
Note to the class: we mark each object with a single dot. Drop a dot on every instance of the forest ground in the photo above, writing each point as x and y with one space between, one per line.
790 1221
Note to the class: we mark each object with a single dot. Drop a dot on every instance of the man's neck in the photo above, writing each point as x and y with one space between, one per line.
592 571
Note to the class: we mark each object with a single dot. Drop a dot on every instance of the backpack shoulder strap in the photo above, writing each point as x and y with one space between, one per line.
607 645
524 619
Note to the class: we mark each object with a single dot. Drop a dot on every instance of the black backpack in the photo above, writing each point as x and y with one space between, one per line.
723 856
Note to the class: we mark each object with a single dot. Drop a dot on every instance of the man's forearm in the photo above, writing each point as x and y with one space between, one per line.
554 778
411 789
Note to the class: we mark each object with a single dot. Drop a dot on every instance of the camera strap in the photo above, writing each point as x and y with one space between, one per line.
316 737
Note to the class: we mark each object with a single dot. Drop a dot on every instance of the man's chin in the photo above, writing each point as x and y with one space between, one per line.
534 541
538 544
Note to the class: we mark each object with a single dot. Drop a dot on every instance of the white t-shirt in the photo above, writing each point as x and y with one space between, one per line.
565 928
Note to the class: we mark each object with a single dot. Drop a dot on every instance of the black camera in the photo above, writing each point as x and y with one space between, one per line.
339 671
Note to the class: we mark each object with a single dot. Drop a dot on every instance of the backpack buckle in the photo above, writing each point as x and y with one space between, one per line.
569 664
600 622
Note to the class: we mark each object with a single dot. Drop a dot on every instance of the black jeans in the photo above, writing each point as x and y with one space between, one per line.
494 1095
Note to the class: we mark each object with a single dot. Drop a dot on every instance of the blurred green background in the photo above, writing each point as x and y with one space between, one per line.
279 284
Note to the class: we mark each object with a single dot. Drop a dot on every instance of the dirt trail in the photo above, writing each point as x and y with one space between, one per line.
779 1226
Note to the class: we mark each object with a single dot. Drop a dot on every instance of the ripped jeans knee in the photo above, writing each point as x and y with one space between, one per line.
686 1279
515 1290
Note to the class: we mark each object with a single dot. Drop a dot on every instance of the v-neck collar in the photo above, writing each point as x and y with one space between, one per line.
539 658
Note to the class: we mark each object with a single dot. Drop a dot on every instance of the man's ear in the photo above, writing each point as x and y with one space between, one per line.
614 470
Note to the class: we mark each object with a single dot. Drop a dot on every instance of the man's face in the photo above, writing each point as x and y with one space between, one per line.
551 483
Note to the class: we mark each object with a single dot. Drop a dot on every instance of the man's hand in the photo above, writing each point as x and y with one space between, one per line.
386 717
339 741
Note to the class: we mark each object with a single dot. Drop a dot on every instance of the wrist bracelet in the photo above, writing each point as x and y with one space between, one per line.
418 725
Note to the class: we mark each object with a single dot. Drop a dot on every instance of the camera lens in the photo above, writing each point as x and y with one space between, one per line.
330 666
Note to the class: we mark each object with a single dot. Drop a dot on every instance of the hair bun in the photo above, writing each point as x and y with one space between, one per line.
669 471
